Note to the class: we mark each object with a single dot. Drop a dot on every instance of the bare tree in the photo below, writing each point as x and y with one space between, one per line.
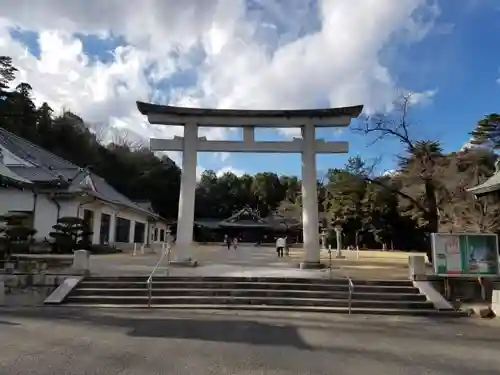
100 131
421 160
125 138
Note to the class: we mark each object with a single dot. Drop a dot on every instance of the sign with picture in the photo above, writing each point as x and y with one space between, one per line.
465 254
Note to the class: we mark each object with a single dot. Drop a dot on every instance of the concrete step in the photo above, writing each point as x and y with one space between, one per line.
287 280
281 293
246 285
289 308
233 300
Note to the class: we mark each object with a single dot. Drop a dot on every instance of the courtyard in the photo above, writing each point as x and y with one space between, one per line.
248 259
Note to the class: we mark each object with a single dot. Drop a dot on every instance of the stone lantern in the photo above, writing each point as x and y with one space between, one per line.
338 232
169 238
323 235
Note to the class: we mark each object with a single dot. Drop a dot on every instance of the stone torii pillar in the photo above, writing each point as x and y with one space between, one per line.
185 216
310 217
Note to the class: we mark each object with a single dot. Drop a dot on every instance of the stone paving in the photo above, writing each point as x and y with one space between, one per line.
50 341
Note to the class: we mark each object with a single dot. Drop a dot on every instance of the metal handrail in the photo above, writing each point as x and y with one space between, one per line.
149 281
351 291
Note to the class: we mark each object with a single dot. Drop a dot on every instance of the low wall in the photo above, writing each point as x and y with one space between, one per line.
465 289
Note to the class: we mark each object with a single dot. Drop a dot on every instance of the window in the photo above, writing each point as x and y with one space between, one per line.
88 222
122 233
88 219
162 235
139 232
155 235
104 233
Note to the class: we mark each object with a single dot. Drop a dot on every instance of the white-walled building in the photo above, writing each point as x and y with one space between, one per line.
61 189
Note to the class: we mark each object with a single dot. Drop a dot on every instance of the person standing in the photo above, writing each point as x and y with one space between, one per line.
227 240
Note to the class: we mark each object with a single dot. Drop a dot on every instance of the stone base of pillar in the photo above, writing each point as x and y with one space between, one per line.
311 265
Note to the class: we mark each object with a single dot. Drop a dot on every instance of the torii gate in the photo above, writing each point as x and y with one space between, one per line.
308 146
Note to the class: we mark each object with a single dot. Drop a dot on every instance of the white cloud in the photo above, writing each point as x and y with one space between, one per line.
221 156
276 54
422 97
229 169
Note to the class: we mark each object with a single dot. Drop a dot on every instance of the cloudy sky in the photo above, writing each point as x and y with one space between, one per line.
97 57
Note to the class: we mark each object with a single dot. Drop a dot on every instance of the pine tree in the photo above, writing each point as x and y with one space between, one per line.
487 132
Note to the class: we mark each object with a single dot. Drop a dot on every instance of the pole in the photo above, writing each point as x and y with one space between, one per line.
330 261
169 248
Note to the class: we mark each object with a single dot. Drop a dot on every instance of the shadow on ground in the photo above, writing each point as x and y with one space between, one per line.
6 323
204 329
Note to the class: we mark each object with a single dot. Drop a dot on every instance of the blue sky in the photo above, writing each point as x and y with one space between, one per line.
436 46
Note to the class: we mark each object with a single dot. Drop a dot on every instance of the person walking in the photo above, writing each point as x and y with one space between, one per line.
280 245
227 240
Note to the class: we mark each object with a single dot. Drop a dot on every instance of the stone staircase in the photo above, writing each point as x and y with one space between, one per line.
264 293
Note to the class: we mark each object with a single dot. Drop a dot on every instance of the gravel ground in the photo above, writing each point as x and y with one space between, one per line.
62 340
247 259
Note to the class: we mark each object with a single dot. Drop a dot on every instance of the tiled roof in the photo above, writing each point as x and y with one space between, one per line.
50 167
248 218
8 174
491 185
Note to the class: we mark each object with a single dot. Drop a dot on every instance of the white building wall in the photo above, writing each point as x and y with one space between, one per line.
45 210
99 208
15 200
46 213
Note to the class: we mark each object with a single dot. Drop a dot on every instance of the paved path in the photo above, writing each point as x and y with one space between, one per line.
68 341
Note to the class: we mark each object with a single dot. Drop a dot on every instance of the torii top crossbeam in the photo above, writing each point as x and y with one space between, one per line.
169 115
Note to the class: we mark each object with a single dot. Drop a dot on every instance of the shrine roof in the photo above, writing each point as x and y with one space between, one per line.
491 185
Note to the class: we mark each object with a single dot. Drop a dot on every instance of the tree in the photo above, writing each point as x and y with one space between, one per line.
7 73
268 190
487 132
345 191
70 234
380 208
17 237
463 211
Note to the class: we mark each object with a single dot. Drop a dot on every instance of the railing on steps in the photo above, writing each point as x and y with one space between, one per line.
165 253
349 280
351 291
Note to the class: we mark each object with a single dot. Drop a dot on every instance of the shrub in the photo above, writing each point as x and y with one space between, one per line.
16 237
70 234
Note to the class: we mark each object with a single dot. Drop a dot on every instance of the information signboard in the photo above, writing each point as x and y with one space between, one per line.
465 254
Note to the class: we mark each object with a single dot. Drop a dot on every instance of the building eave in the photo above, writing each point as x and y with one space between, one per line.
491 185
